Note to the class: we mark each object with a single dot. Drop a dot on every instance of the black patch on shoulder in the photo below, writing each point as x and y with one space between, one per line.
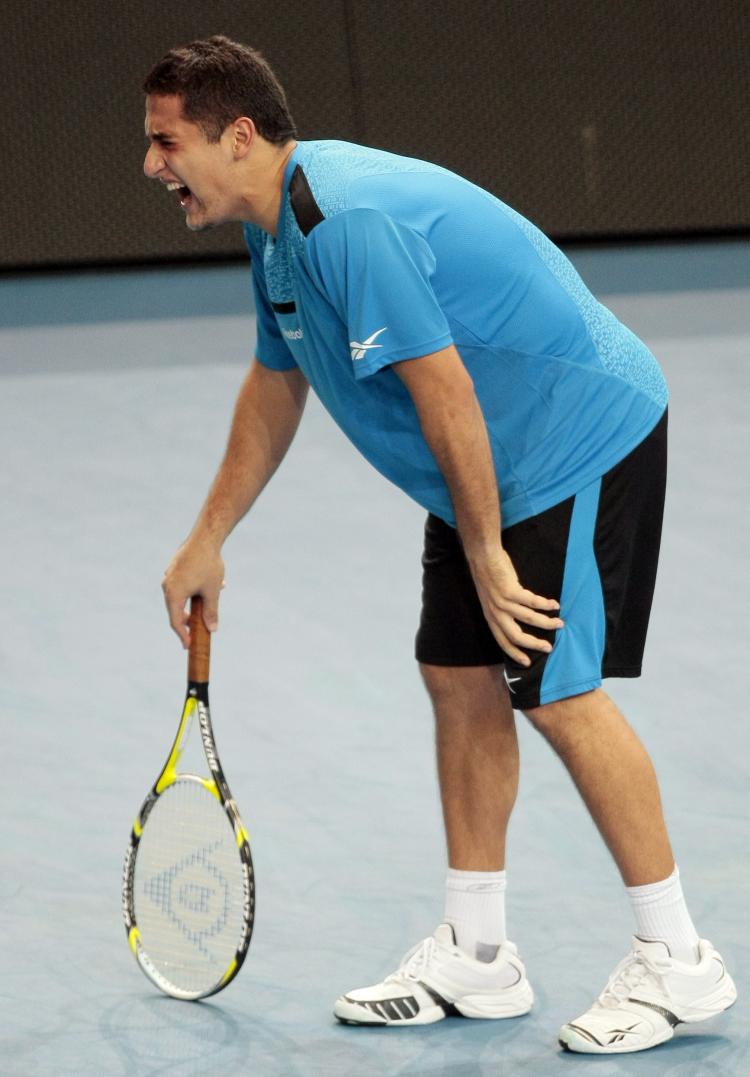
306 210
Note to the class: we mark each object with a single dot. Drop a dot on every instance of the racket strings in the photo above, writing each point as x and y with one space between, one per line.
189 887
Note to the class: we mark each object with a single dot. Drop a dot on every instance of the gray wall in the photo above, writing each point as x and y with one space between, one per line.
594 117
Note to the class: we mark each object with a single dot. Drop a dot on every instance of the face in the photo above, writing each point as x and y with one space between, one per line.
181 157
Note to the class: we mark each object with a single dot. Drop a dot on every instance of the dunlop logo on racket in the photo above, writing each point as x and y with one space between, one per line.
213 761
188 893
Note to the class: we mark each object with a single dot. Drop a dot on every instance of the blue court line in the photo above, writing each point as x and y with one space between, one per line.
89 296
105 295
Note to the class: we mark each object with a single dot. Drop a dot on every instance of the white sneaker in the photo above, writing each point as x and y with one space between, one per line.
435 980
646 996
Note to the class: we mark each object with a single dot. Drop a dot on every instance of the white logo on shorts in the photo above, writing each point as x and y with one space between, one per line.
510 681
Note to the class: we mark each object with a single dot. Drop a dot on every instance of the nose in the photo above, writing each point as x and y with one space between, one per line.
153 162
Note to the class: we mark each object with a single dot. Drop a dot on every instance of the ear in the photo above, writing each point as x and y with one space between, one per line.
243 134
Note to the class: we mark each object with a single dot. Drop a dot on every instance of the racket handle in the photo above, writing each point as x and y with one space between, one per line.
200 643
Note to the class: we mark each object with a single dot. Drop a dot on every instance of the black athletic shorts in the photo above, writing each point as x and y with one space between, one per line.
595 553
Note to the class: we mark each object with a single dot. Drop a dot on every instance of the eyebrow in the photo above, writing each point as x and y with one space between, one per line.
159 136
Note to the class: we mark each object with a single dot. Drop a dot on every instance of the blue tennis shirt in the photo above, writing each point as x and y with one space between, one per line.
380 258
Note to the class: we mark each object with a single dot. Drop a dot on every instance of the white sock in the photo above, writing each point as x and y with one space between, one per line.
661 915
475 909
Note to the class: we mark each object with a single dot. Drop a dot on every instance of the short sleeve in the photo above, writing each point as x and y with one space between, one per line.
377 274
271 349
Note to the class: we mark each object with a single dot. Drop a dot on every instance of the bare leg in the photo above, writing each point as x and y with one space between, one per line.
477 757
615 778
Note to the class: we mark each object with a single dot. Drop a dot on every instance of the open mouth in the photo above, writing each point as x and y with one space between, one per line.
185 193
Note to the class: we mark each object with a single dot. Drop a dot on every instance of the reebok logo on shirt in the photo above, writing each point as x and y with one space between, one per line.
293 334
360 350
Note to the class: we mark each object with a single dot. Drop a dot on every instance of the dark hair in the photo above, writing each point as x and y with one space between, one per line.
219 80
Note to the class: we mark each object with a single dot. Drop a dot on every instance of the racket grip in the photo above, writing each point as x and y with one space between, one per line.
199 658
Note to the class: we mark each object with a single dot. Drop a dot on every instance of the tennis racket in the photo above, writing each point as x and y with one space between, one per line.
188 893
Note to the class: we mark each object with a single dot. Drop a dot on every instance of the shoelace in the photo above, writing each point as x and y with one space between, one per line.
632 971
414 962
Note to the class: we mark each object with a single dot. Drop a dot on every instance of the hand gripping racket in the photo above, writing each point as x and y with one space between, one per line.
188 893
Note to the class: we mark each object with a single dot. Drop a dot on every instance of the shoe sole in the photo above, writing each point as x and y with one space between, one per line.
514 1004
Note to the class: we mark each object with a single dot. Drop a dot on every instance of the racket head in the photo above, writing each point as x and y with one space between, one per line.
188 882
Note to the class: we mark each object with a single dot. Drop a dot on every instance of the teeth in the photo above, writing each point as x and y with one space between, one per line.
173 186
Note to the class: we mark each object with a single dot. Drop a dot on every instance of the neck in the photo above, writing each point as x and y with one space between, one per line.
261 197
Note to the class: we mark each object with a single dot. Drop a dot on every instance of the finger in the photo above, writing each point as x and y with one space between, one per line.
512 638
180 624
518 638
531 617
178 616
532 643
517 656
211 610
211 596
528 598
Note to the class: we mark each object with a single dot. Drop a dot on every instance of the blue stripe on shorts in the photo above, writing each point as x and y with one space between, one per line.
575 664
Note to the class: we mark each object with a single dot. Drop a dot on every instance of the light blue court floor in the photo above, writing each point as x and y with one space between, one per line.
115 397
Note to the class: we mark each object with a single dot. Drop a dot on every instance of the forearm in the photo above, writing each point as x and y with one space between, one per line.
454 428
266 416
457 437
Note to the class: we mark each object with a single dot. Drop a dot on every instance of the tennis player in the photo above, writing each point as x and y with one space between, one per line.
461 353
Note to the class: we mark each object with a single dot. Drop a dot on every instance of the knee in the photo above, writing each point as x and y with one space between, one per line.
561 721
547 718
